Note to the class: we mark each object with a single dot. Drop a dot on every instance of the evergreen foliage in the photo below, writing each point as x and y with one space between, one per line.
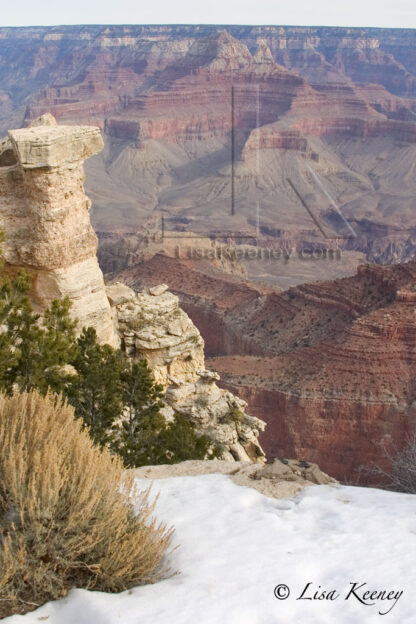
118 402
179 442
142 422
145 437
96 390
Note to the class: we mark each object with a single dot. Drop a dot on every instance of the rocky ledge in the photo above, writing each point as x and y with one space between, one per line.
282 478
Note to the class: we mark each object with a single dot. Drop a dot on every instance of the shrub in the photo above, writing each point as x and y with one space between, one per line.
176 441
67 510
117 401
143 436
202 400
179 441
402 474
96 389
32 350
137 432
234 415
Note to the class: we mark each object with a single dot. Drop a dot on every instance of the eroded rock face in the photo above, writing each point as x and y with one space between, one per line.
220 414
153 327
44 214
337 386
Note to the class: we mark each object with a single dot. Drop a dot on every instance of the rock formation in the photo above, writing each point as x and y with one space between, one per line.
336 385
328 365
153 327
44 214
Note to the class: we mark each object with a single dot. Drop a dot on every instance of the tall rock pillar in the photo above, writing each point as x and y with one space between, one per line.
44 215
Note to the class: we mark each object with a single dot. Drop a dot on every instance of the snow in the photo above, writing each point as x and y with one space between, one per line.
236 546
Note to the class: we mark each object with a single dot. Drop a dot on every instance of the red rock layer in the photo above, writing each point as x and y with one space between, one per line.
141 87
328 365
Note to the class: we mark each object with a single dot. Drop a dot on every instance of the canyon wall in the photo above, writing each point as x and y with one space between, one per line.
328 365
205 125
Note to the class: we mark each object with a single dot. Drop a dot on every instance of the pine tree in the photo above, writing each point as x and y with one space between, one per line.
96 390
143 436
42 346
142 423
8 357
118 401
179 442
18 322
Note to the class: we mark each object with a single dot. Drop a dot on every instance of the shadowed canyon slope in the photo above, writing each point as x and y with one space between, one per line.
231 131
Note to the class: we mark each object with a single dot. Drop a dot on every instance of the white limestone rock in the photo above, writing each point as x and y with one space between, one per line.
153 327
44 212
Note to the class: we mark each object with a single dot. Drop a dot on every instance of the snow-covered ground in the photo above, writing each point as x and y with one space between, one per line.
236 546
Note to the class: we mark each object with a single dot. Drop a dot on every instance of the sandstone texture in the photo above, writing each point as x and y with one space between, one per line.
201 120
328 365
44 214
336 383
153 327
280 479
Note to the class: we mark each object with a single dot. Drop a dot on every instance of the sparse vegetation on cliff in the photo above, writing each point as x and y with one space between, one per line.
143 436
117 400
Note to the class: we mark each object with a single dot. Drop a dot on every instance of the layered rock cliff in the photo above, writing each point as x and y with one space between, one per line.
329 365
153 327
44 214
206 124
337 383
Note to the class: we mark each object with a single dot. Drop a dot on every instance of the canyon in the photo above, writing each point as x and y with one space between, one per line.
44 216
328 365
255 171
228 132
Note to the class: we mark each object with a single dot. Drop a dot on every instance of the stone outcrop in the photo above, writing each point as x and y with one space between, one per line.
280 479
44 214
328 365
337 384
153 327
